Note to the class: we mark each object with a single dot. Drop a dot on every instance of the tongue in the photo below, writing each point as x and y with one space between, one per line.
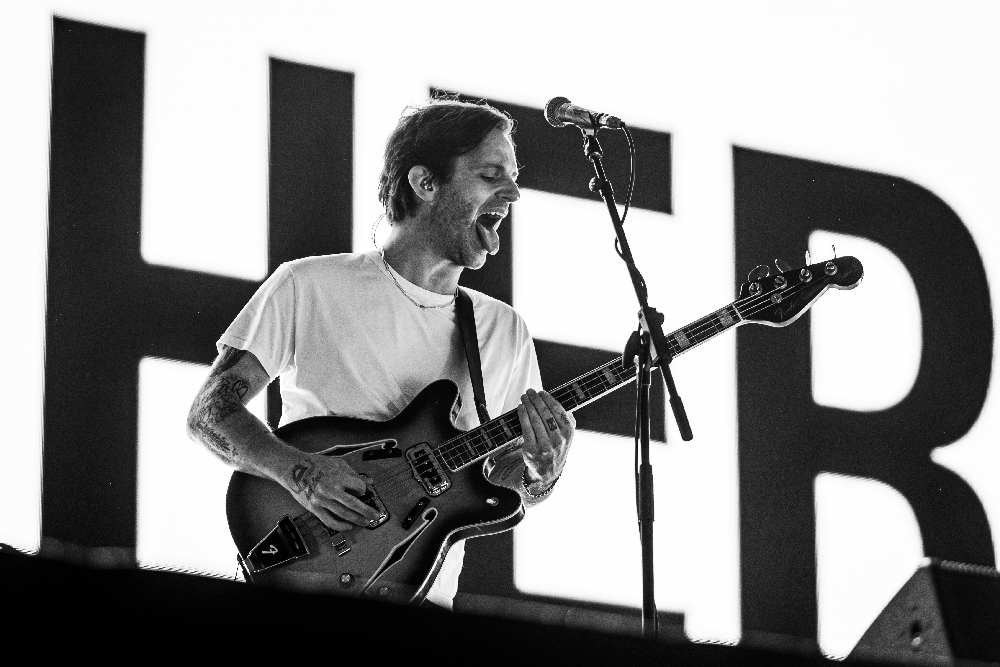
489 238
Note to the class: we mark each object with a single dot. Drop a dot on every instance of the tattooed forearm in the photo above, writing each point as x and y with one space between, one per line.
214 440
222 400
305 477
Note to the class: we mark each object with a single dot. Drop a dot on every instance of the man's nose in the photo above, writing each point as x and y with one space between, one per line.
510 192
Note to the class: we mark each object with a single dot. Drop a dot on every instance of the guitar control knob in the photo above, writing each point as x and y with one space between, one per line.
780 282
805 275
830 268
754 289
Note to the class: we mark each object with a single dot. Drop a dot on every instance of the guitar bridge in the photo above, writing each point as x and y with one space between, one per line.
282 544
427 470
371 499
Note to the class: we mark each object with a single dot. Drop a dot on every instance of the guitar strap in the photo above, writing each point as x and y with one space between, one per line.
467 325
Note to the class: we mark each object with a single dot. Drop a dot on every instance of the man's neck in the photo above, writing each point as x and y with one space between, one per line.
419 263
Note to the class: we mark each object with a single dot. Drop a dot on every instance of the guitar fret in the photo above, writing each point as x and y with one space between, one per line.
483 446
468 447
508 433
464 449
449 459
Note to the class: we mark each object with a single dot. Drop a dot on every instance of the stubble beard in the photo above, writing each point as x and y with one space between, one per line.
454 230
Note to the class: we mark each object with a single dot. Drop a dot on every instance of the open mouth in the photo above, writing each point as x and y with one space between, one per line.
486 227
491 219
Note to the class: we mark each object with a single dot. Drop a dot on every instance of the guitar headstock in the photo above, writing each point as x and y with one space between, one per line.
780 299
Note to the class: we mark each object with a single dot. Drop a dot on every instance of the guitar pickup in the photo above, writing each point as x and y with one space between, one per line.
427 470
282 544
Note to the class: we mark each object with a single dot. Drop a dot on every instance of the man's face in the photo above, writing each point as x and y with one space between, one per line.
468 209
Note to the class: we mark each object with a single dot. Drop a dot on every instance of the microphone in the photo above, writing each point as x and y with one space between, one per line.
560 112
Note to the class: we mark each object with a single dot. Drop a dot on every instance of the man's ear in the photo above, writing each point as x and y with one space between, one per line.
422 183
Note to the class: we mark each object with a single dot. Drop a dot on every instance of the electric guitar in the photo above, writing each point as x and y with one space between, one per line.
425 477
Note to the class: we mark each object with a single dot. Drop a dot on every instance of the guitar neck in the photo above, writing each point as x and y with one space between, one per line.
482 441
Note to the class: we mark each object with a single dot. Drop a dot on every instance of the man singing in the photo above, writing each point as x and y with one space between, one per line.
359 335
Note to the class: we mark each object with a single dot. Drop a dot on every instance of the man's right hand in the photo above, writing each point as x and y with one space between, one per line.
329 488
324 485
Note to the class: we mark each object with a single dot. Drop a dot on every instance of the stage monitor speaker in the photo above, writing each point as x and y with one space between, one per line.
947 613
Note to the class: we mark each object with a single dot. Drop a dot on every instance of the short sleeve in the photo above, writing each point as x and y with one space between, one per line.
266 325
524 373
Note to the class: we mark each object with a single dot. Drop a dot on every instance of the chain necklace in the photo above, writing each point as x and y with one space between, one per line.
407 294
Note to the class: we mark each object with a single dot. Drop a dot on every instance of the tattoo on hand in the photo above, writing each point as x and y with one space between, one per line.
305 478
565 419
552 424
505 468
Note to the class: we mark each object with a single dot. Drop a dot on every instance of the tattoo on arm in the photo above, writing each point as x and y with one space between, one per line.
305 477
230 357
223 400
215 440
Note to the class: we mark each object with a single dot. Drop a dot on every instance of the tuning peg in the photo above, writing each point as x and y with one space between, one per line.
834 250
808 258
759 273
782 265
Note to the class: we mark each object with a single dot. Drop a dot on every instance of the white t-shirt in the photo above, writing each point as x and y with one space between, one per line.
346 341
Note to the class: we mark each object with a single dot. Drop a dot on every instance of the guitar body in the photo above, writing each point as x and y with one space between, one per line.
398 559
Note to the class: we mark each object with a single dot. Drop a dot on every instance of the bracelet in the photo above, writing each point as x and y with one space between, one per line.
524 485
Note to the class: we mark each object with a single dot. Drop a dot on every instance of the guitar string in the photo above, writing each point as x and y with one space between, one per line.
495 425
494 430
451 449
764 300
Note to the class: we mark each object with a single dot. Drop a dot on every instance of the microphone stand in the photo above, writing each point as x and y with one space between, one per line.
648 348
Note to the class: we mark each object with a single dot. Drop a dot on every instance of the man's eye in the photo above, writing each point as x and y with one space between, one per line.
489 178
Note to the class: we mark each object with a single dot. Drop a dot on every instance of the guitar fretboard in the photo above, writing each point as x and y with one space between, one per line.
480 442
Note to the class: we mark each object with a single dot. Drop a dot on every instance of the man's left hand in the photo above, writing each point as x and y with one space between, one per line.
548 432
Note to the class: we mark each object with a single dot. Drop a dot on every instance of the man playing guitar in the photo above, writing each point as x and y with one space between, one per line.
360 335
